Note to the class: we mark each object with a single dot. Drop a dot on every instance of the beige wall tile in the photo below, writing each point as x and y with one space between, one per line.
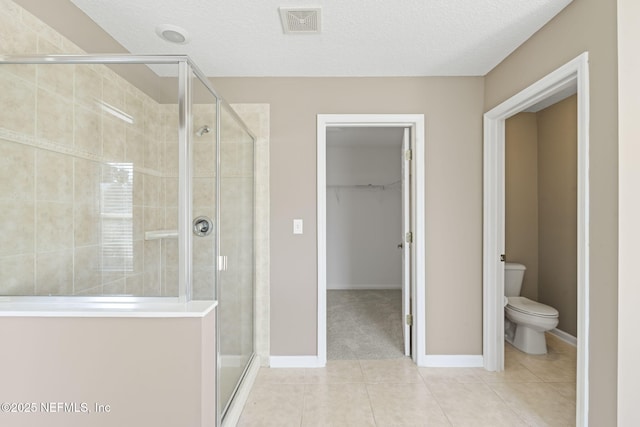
54 226
138 223
87 269
87 178
87 86
87 224
134 147
117 287
134 285
134 106
87 131
113 138
113 91
204 159
54 177
204 251
203 283
152 187
171 158
135 265
56 78
18 104
170 192
17 38
17 227
54 273
16 275
203 192
151 152
138 189
17 171
54 118
152 218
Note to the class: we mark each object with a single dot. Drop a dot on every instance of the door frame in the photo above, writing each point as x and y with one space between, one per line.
416 123
575 72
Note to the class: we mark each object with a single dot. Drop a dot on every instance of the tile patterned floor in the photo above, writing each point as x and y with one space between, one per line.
532 391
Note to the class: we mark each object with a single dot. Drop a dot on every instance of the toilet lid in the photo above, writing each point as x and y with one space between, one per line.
527 306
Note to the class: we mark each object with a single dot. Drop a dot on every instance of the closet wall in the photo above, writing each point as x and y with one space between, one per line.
364 217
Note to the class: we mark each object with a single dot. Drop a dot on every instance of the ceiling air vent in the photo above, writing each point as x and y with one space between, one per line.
300 20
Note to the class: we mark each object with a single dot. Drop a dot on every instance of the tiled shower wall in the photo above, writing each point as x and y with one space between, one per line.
79 185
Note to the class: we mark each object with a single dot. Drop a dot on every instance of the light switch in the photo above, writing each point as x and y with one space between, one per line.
297 226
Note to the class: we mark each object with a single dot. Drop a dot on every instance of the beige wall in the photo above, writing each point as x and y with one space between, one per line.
585 25
557 213
137 366
521 197
453 113
629 207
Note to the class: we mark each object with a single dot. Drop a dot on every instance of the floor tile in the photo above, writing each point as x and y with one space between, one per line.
514 371
390 371
451 375
405 405
333 405
277 405
474 404
552 367
538 404
336 371
281 376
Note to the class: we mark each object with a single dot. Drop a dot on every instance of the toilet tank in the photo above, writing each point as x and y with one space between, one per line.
513 276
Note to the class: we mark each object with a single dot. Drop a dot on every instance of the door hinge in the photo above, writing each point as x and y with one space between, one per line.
409 319
408 237
503 257
408 155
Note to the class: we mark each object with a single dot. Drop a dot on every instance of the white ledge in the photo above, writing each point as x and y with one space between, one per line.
106 309
161 234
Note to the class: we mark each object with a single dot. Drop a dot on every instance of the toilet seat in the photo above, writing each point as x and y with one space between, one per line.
526 306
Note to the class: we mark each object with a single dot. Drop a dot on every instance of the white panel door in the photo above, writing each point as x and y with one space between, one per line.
406 243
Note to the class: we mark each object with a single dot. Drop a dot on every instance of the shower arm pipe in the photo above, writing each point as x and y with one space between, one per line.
124 59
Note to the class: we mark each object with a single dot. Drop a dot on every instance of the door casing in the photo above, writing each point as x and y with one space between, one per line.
574 73
416 123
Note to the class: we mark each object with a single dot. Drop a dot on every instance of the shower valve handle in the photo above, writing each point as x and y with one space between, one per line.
202 226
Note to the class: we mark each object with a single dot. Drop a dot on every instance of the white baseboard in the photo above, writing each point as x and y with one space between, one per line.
296 362
242 394
359 287
568 338
453 361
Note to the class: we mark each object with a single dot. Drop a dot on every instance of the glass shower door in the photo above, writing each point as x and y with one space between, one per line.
235 291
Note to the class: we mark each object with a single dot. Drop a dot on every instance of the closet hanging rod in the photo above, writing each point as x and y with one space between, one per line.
372 186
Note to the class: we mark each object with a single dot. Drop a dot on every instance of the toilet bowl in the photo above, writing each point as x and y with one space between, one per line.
526 320
530 321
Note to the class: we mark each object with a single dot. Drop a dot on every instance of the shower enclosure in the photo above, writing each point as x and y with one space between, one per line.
126 179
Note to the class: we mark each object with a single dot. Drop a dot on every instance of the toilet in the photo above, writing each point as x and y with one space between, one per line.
526 320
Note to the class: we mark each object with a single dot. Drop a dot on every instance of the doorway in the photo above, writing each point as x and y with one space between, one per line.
366 251
573 76
415 336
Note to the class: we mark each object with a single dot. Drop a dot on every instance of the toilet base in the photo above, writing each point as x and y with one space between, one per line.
529 340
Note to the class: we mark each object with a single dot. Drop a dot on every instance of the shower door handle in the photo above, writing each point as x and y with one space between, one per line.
222 263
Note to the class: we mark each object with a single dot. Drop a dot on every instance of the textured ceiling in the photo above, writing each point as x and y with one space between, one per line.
358 38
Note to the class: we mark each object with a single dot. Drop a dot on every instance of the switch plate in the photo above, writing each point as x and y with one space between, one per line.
297 226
